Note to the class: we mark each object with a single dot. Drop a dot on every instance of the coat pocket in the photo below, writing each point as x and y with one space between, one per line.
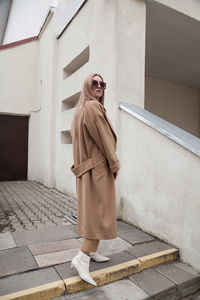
83 167
100 170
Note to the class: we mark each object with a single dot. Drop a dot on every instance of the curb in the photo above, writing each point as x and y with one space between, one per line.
102 276
43 292
110 274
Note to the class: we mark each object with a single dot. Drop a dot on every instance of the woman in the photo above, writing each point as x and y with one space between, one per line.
96 168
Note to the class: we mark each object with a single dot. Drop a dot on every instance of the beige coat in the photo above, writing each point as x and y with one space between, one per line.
95 161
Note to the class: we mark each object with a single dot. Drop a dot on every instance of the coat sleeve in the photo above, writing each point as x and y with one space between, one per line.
101 133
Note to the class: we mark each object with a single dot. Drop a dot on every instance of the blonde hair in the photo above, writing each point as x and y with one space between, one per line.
87 94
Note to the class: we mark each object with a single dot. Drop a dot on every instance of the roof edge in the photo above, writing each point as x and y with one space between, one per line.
72 18
45 23
17 43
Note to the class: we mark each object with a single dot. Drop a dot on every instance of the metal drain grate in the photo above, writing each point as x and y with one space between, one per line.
71 218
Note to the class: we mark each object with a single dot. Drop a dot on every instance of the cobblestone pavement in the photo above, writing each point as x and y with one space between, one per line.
30 205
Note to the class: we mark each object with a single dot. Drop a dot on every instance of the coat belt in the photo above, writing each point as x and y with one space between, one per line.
83 167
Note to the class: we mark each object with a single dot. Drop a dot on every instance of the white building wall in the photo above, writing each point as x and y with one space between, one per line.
176 103
130 64
159 187
42 123
19 70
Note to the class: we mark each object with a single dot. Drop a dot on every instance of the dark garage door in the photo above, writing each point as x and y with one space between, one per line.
13 147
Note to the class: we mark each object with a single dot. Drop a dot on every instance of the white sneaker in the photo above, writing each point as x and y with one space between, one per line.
81 263
97 257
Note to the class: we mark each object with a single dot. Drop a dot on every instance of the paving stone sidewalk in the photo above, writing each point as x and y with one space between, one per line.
30 205
31 257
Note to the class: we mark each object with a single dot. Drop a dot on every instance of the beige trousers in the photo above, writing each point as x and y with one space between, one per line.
89 245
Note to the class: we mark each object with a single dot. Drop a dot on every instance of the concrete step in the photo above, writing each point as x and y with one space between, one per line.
171 281
35 264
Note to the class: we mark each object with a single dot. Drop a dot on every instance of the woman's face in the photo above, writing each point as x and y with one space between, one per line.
97 89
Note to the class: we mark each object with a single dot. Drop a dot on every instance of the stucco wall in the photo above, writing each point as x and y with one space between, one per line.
159 187
42 123
176 103
130 47
19 70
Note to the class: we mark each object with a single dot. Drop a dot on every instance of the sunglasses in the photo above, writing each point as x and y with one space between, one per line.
102 84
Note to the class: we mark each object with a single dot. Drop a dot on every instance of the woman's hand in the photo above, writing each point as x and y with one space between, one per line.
115 175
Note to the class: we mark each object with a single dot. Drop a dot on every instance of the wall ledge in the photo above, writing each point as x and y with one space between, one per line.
178 135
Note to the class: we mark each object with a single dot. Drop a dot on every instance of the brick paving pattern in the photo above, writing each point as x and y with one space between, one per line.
37 244
30 205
